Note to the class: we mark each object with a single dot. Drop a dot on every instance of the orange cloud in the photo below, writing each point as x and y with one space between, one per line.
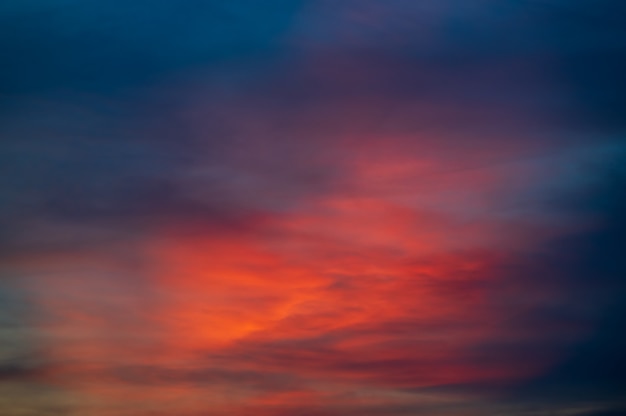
368 286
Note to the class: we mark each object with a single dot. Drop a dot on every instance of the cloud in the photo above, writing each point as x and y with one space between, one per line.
354 207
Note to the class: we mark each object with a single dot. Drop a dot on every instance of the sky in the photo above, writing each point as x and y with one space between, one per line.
313 208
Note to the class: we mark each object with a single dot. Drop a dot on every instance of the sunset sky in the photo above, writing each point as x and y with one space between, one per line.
313 208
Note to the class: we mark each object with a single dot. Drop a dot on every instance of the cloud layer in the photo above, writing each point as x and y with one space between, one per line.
312 208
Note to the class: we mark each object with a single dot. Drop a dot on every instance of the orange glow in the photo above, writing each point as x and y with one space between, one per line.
370 287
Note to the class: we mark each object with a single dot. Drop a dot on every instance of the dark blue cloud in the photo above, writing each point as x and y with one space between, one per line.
587 271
